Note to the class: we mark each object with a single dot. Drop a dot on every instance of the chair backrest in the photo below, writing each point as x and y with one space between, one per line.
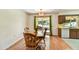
26 29
30 40
42 31
45 32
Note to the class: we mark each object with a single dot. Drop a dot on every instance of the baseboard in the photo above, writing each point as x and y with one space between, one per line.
55 35
17 40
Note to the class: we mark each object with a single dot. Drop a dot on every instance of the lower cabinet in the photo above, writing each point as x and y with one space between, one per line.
74 33
78 34
59 32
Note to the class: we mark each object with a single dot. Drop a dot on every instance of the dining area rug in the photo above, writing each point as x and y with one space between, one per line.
73 43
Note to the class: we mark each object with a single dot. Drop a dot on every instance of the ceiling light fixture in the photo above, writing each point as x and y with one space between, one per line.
41 12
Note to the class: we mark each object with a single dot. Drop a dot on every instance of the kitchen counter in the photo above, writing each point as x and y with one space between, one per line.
68 27
64 27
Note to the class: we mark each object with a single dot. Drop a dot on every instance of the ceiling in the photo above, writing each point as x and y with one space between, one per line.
34 11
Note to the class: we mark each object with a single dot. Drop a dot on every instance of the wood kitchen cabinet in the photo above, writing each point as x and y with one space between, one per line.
61 19
77 34
74 33
59 32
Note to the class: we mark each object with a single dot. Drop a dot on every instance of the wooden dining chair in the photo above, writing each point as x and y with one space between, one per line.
42 37
31 41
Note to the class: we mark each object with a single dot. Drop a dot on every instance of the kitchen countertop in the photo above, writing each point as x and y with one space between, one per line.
63 27
68 28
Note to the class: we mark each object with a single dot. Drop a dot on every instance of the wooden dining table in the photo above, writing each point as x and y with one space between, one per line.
33 33
40 37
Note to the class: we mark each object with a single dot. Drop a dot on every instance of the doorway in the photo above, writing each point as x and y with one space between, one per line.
44 22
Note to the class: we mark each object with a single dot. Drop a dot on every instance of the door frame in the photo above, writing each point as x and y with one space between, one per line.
50 20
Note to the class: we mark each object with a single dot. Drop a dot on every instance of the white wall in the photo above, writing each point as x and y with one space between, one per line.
54 23
30 23
12 23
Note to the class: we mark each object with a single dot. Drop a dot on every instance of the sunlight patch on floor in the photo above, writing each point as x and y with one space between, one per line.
47 41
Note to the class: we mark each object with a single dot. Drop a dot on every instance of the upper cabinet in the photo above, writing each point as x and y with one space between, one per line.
61 19
68 20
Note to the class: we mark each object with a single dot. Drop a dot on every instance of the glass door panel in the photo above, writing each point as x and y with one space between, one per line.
43 22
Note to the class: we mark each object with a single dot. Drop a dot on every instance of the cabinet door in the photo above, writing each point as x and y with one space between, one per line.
61 19
59 32
73 34
77 34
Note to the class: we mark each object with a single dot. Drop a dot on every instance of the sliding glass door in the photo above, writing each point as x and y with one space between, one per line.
44 22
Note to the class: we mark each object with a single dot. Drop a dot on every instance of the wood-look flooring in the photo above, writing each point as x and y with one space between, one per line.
56 43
